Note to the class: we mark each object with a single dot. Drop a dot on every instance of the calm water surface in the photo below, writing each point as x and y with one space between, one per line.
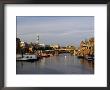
62 64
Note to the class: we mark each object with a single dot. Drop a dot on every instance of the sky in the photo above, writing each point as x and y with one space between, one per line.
63 30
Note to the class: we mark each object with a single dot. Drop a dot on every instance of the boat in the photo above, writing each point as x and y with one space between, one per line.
27 57
89 58
45 55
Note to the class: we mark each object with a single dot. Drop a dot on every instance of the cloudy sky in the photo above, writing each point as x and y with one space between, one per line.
55 29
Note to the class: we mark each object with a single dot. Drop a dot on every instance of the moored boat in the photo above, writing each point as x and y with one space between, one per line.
45 55
89 58
27 57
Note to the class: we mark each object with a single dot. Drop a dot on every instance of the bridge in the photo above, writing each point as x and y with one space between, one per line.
65 50
61 50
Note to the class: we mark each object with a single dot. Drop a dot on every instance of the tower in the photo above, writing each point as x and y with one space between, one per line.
37 39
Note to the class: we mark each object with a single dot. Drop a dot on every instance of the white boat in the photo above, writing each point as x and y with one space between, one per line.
26 57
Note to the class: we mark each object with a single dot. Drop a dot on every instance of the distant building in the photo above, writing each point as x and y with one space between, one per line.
22 44
70 47
86 47
55 46
42 44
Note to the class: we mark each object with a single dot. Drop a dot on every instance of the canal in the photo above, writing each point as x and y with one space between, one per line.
62 64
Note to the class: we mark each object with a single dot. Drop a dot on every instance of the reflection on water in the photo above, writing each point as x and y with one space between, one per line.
62 64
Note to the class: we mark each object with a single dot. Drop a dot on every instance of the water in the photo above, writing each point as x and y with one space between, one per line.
63 64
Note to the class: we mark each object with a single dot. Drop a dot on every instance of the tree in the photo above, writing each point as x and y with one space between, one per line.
18 45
